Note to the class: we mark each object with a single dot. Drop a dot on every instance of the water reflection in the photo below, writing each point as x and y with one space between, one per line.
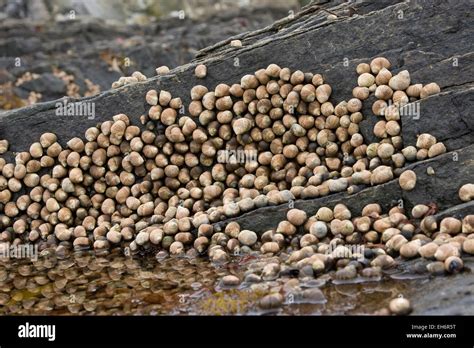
89 284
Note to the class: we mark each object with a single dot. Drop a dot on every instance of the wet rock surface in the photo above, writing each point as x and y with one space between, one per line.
94 51
89 284
298 41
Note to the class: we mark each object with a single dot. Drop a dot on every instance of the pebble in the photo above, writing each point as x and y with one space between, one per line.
271 301
247 237
230 280
450 225
292 290
468 246
410 249
453 264
270 271
114 236
252 278
219 256
428 250
270 247
407 180
236 43
312 295
446 250
156 236
383 261
319 229
201 243
306 271
200 71
468 224
318 266
162 70
81 241
372 272
346 273
142 238
176 248
161 255
400 306
435 268
296 216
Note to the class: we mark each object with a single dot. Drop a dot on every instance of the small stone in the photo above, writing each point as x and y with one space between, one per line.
428 250
407 180
400 306
453 264
114 236
270 271
410 249
319 229
81 241
306 271
176 248
296 216
230 280
436 268
270 247
253 278
372 272
383 261
219 256
156 236
446 250
151 97
466 192
241 125
236 43
468 246
162 70
271 301
318 266
200 71
247 237
401 81
346 273
313 295
3 146
142 238
436 150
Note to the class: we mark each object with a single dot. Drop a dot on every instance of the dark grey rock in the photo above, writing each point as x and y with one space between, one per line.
86 47
299 43
45 83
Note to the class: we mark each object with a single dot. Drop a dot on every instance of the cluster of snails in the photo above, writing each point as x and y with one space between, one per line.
126 186
334 245
138 76
325 242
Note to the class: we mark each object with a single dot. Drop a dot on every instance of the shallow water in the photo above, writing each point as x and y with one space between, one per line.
88 284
